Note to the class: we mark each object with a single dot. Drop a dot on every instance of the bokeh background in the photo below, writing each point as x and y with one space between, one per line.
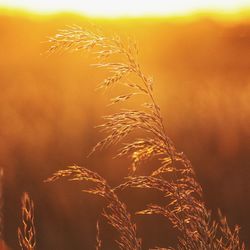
49 109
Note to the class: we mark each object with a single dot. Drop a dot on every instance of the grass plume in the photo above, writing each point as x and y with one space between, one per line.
27 232
175 177
115 212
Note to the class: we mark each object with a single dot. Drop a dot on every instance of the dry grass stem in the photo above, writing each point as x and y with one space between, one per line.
98 240
27 232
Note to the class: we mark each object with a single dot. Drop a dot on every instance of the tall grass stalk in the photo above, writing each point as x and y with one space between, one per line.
175 177
27 232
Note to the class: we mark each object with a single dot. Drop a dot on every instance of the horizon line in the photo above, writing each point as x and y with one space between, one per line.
196 14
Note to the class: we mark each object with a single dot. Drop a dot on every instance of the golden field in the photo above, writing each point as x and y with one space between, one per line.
49 109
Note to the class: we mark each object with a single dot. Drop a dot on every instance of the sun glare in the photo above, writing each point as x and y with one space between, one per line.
116 8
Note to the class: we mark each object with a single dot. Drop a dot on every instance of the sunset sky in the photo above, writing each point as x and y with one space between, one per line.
114 8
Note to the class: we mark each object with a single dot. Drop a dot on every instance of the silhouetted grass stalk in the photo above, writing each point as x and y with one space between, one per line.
27 232
115 212
175 177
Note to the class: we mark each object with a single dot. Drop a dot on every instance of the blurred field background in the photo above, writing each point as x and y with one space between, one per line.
49 109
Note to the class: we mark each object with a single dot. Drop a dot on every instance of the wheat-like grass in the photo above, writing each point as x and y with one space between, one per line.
175 177
115 212
119 125
27 232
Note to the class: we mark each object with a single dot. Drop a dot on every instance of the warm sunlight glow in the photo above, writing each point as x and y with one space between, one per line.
116 8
